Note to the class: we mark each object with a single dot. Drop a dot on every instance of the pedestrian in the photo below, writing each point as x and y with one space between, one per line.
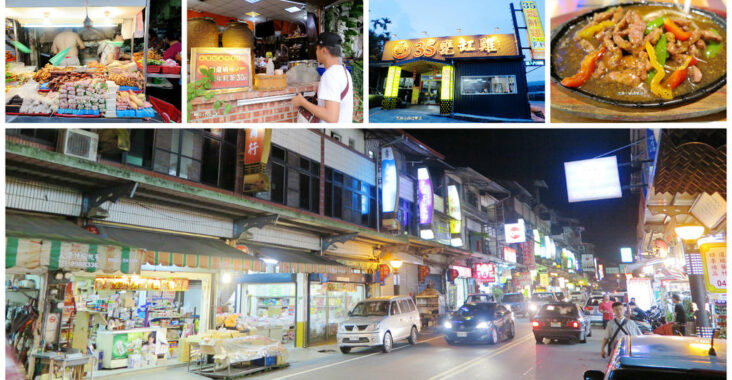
172 38
335 91
606 308
679 313
617 328
64 40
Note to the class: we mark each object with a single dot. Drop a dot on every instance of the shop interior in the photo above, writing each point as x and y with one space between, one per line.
330 303
420 83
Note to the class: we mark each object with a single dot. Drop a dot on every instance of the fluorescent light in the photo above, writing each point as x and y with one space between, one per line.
689 232
252 13
67 26
226 278
292 9
270 261
252 1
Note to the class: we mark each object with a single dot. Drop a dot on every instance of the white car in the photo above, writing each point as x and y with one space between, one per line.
379 322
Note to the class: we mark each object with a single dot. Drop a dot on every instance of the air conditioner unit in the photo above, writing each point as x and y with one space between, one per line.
78 143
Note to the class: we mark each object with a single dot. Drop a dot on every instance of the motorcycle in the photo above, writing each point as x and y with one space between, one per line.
656 317
642 322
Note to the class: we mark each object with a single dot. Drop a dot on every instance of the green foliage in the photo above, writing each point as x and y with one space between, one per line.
357 76
497 293
346 19
201 87
378 36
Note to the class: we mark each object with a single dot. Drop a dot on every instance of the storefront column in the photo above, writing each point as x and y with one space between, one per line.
446 92
301 309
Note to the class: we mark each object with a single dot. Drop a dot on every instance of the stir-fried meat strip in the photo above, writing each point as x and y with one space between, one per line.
615 14
711 36
586 45
636 28
681 21
627 77
701 44
695 75
653 36
620 41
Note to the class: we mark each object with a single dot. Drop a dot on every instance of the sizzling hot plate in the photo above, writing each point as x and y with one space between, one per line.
563 32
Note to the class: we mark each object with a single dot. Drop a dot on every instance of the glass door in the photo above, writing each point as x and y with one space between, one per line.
329 305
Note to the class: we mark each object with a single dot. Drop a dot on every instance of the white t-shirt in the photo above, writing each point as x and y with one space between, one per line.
331 86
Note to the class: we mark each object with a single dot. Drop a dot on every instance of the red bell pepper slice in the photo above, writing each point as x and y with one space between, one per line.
587 67
679 33
678 76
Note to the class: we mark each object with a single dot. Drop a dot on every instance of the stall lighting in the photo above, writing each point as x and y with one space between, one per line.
252 1
46 19
270 261
396 264
252 13
427 234
292 9
226 278
689 232
44 25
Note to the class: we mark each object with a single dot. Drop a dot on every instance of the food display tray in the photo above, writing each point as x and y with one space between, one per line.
66 112
140 113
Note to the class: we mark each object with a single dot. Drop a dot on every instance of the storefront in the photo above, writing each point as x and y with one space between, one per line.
331 298
108 74
481 75
260 64
460 286
266 302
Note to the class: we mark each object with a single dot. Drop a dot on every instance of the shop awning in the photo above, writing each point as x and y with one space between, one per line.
296 261
58 244
161 248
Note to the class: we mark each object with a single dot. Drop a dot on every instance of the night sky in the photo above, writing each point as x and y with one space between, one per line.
528 154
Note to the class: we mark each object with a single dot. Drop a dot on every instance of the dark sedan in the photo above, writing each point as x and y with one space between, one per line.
561 320
480 322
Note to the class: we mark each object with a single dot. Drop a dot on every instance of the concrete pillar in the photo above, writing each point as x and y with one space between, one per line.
301 309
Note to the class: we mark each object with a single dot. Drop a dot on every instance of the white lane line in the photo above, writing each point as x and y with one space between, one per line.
350 360
462 367
528 370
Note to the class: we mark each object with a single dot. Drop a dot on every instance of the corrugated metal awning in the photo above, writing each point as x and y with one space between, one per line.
296 261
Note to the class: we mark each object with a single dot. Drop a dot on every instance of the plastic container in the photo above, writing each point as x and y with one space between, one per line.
170 69
153 68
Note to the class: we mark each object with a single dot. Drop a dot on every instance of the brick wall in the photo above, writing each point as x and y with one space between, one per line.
271 112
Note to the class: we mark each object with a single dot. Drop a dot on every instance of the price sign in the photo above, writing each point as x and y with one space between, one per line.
714 257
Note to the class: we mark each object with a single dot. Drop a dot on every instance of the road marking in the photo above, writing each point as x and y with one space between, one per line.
350 360
470 363
528 370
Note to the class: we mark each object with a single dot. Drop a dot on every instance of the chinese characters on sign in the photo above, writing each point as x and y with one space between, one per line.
443 48
534 29
231 67
485 272
714 256
256 155
140 283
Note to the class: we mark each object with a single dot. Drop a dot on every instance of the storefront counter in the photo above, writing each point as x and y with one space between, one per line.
251 106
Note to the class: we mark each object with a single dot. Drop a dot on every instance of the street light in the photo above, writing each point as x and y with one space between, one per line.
689 234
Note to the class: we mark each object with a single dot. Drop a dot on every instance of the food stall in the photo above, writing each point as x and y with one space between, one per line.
248 69
431 305
95 79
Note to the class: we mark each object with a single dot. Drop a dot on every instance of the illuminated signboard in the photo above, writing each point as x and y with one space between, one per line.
534 29
485 272
714 257
448 85
392 82
231 68
588 262
454 211
462 271
571 261
593 179
537 237
626 255
515 232
509 254
550 249
425 196
445 48
389 181
140 283
256 155
600 271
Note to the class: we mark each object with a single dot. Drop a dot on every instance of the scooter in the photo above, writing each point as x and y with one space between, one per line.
643 324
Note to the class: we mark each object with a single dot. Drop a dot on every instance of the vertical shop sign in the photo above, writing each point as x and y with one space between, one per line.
424 271
389 189
714 256
485 272
544 279
534 29
425 203
256 155
509 254
455 212
452 274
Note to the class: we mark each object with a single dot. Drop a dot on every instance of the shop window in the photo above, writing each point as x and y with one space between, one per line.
406 217
349 199
295 180
471 198
42 136
488 85
178 153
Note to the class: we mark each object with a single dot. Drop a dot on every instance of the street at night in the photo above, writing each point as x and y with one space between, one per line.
354 253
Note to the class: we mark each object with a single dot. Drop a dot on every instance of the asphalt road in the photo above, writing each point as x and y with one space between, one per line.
432 358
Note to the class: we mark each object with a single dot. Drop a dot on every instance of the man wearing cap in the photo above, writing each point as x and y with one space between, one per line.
66 39
335 91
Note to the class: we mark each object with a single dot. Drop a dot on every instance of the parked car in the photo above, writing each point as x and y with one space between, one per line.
480 297
592 309
539 299
560 297
561 320
482 322
379 321
661 357
516 302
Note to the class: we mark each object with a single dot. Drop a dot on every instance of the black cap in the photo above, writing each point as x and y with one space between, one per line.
329 39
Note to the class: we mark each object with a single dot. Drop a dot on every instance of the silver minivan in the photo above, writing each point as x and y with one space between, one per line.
380 321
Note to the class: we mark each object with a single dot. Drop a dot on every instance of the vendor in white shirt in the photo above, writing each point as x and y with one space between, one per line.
335 91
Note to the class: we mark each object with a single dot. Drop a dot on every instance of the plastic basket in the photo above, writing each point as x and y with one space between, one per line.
167 111
170 69
153 69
